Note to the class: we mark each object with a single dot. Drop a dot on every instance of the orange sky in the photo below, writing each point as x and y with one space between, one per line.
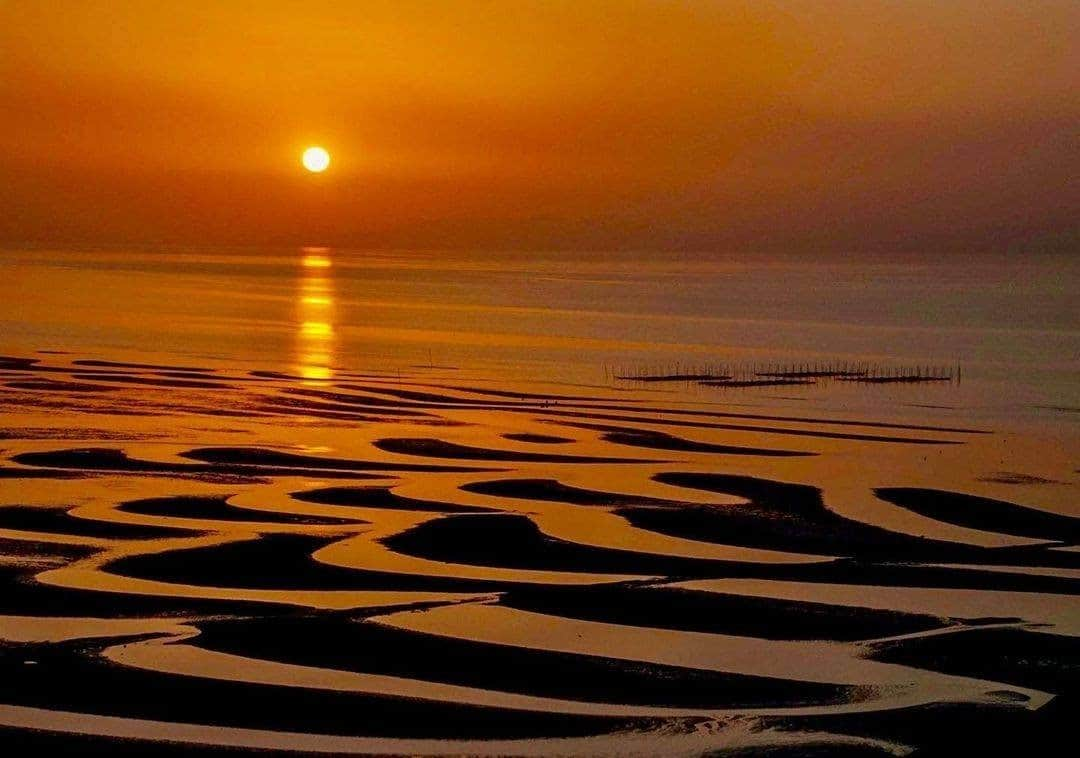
868 124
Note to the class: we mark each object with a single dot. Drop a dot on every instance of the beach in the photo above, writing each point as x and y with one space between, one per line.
403 502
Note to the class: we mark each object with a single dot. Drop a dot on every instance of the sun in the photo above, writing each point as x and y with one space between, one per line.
315 159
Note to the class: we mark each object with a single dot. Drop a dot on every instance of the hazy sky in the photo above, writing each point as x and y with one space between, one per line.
861 125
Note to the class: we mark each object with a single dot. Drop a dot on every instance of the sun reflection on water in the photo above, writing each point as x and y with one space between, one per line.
315 316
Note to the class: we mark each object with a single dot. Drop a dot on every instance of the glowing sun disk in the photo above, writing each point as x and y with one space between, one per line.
316 159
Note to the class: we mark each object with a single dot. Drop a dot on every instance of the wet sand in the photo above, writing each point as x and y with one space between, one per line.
211 561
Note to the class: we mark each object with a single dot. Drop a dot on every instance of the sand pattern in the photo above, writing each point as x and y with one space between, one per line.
415 564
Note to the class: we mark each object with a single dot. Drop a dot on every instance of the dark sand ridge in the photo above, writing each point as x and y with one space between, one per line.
1015 655
177 372
11 363
278 561
777 517
794 515
513 541
78 402
25 554
92 461
748 428
885 685
868 574
342 415
154 382
1020 656
225 460
346 403
802 420
22 595
380 497
126 405
32 473
508 540
284 561
73 676
1011 477
218 508
72 433
947 730
433 448
525 544
149 366
358 414
181 378
797 511
36 367
816 745
284 376
349 400
657 606
287 406
276 376
388 405
983 513
517 395
56 520
114 371
460 404
415 399
255 456
337 642
550 490
538 439
15 362
425 397
104 688
648 438
230 378
53 385
278 402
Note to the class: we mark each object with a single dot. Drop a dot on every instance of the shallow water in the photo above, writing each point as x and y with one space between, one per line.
1009 323
395 502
